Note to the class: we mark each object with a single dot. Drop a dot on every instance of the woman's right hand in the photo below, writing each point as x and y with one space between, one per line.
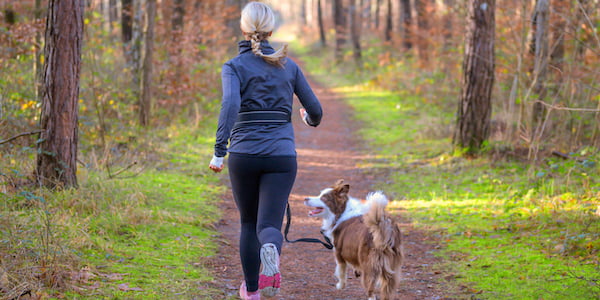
216 164
304 116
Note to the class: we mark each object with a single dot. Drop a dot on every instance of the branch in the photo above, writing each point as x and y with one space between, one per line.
566 156
20 135
567 108
111 176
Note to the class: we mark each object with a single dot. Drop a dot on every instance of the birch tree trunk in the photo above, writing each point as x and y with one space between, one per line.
57 153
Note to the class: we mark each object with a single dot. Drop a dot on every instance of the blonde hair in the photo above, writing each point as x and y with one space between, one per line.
257 22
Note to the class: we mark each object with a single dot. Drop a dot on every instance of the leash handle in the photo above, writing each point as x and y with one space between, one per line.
327 243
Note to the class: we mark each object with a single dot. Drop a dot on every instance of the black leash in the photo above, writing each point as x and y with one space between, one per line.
327 243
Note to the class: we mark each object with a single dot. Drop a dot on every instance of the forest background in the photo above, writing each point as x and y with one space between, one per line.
491 113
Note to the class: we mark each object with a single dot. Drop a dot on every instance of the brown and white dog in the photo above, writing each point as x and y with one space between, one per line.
363 236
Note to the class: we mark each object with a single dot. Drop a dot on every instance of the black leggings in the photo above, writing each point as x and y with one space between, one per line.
261 187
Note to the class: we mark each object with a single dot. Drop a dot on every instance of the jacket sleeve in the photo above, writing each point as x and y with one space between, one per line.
308 99
230 106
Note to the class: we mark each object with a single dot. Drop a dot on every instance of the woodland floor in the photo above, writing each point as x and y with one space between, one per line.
329 152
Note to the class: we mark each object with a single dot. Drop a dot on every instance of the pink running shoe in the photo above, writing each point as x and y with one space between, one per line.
269 281
245 295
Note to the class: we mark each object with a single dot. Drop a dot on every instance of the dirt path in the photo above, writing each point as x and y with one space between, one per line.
325 154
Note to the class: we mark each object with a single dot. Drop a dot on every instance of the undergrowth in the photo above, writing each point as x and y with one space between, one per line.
142 234
140 224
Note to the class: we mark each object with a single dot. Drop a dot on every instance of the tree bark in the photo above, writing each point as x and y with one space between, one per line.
178 16
540 68
137 37
322 35
126 20
355 30
388 22
127 29
423 10
474 110
406 21
377 13
339 14
57 151
145 100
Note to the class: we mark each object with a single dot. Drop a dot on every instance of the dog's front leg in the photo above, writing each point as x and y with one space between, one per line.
340 273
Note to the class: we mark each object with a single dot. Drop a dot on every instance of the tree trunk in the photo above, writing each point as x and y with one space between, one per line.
113 11
406 21
424 13
474 110
57 153
377 13
367 12
340 29
137 36
540 67
145 100
388 21
321 26
177 18
127 29
558 27
355 30
126 20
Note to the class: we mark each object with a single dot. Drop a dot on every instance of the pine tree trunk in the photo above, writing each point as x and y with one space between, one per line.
145 100
557 55
474 110
177 18
355 31
57 153
340 29
127 29
321 26
424 13
406 21
388 22
540 68
377 13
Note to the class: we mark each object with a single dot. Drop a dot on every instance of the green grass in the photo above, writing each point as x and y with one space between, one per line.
509 229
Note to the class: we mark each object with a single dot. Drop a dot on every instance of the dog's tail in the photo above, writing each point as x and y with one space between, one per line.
387 253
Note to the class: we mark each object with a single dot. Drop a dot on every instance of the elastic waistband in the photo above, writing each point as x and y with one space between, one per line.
263 116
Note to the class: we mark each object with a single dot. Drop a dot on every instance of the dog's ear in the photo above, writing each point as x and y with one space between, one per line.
342 188
338 182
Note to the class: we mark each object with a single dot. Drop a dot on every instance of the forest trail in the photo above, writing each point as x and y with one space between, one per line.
325 154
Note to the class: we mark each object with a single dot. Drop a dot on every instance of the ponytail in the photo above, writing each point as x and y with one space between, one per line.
258 21
277 58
